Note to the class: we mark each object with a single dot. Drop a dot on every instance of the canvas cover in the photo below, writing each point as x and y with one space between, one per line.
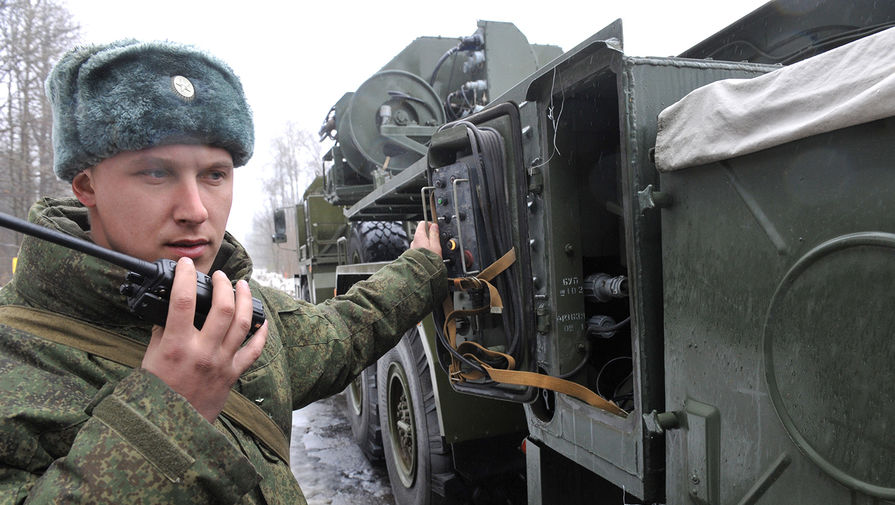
846 86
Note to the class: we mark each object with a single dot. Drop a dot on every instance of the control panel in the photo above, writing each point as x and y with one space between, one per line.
457 217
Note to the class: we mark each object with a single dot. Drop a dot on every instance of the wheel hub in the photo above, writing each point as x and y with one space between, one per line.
401 425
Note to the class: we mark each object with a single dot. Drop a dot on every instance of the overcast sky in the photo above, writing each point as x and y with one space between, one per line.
296 59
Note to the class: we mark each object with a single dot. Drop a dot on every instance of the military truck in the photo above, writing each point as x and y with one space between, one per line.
675 269
314 237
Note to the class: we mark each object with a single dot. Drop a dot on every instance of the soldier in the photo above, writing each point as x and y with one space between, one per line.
148 135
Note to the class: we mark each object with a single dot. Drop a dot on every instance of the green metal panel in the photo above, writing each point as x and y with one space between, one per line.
533 470
586 218
318 225
575 218
421 55
508 56
778 313
545 53
464 417
650 85
326 224
323 281
301 229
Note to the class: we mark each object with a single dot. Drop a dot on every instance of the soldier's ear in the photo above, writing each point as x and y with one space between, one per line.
82 187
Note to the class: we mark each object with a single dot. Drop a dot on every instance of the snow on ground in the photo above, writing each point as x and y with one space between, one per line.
274 280
328 465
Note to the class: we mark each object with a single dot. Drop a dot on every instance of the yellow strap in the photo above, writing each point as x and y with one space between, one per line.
473 350
105 344
498 266
555 384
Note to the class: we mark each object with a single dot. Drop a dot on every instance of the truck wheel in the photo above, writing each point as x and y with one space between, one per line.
363 413
418 461
370 241
376 241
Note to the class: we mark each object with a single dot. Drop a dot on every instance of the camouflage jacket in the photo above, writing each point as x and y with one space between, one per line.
76 428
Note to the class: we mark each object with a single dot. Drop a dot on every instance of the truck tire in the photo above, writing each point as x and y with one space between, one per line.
417 458
363 414
370 241
376 241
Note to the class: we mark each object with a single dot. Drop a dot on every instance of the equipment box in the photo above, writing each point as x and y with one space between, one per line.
778 270
588 123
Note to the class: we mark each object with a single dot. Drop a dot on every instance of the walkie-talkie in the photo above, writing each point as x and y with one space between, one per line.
147 286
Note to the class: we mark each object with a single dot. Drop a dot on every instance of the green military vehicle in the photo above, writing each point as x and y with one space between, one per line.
314 238
695 303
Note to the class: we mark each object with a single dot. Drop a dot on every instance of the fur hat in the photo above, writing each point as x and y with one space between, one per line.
130 95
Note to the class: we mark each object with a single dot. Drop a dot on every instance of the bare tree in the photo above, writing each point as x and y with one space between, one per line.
33 35
296 161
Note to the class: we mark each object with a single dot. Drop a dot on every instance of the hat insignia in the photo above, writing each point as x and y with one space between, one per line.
183 87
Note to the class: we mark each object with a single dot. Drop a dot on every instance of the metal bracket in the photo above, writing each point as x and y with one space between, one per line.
703 452
401 136
341 245
535 176
460 228
425 200
650 198
657 423
543 318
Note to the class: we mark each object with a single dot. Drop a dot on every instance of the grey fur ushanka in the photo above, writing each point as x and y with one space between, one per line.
131 95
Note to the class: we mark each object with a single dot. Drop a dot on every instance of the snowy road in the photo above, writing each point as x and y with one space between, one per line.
328 465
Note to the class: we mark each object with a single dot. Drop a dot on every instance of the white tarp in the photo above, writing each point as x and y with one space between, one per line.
846 86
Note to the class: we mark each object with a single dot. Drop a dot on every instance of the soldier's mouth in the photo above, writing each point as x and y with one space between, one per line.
189 248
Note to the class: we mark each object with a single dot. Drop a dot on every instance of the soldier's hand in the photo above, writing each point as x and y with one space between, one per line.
202 365
426 236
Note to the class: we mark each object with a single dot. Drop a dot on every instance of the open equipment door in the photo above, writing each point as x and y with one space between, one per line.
560 172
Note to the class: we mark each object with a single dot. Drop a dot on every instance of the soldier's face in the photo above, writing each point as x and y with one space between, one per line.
161 202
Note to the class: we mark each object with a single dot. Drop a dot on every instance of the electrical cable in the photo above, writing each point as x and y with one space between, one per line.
441 61
554 120
603 369
609 329
456 353
617 397
474 42
571 373
604 329
496 219
488 190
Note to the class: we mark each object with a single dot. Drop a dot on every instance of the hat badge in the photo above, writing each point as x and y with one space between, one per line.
183 87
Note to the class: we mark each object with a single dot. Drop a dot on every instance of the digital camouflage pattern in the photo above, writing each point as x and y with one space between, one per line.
79 428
